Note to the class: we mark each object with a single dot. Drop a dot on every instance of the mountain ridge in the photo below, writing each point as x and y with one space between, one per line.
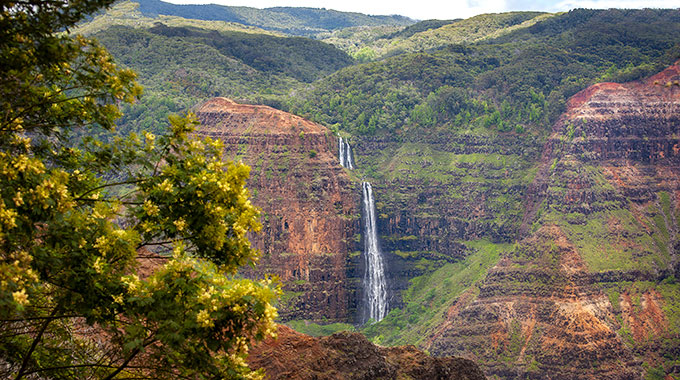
291 20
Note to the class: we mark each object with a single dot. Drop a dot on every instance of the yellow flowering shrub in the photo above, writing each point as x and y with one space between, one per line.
78 204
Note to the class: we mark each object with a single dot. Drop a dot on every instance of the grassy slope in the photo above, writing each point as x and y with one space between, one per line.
430 296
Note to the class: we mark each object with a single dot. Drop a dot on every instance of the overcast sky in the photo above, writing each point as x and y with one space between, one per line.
443 9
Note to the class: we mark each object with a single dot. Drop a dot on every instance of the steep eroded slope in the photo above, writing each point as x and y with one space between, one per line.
590 291
308 201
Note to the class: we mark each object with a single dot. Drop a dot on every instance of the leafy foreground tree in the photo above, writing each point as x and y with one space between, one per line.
78 204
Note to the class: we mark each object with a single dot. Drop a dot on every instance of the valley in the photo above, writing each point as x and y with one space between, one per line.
496 196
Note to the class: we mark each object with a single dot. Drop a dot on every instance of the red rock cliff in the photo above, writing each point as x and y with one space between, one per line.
308 202
588 291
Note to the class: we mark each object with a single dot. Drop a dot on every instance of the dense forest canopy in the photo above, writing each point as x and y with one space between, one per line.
517 82
295 21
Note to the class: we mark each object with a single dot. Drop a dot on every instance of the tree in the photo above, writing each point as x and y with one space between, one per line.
80 206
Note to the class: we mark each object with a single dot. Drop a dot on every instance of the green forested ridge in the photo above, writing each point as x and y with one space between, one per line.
126 13
301 58
433 34
418 27
179 66
517 82
296 21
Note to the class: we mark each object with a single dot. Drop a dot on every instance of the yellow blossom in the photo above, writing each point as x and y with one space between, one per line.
118 299
165 186
20 297
150 208
102 245
203 318
98 265
150 138
180 224
18 199
131 282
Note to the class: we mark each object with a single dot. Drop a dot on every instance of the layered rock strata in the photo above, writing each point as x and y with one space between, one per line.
309 205
538 315
438 191
590 290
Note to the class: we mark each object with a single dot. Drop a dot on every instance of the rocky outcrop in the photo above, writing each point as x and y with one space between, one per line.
588 291
345 356
308 202
538 315
628 131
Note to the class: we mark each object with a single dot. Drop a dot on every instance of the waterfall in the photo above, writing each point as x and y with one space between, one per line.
375 286
345 154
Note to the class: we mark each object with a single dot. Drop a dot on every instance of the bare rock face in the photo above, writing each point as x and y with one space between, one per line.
308 203
589 290
539 315
629 131
345 355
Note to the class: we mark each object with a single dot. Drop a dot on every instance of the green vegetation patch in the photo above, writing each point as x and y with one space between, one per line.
315 329
612 240
429 296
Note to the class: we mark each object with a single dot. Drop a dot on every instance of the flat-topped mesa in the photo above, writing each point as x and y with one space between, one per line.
631 130
661 88
309 204
219 115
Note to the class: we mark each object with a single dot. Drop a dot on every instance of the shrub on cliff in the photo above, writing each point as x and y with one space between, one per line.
77 204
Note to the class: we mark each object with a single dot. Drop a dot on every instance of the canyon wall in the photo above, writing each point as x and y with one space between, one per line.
309 205
589 291
586 222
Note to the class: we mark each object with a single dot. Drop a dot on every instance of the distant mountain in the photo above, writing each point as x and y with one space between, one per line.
296 21
419 27
430 34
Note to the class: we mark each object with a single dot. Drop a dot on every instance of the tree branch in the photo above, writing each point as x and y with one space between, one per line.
36 340
80 197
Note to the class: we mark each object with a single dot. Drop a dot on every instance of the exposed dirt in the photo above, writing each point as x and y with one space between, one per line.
538 315
642 312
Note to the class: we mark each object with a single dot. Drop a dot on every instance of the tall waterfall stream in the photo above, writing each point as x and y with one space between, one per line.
345 154
375 285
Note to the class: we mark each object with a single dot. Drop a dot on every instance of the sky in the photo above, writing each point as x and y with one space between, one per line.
443 9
